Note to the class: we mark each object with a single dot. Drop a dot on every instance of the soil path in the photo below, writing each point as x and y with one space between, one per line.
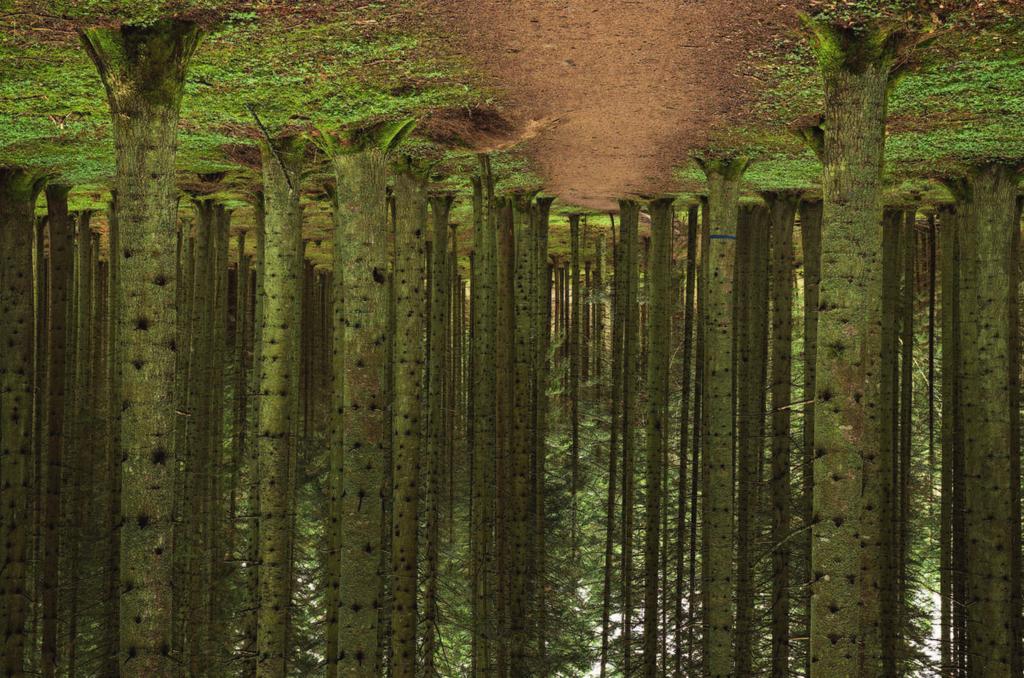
625 89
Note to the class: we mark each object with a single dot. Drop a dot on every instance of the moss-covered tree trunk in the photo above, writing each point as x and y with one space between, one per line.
810 241
143 70
783 208
361 242
278 388
686 380
902 492
484 431
985 248
438 387
576 319
629 216
61 268
879 584
410 325
542 342
18 190
521 658
659 336
618 323
719 436
750 317
855 68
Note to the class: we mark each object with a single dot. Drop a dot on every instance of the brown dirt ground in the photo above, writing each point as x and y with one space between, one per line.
615 92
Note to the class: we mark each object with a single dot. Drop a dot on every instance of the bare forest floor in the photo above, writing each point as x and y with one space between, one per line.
618 92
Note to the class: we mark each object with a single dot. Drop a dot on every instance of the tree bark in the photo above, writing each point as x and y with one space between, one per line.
61 268
783 208
986 245
143 70
855 67
659 337
278 390
719 435
18 191
410 325
361 241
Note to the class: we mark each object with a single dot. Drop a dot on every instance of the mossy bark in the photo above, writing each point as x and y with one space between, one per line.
783 208
484 430
686 381
18 190
61 268
810 242
438 387
281 294
521 657
985 249
750 319
855 67
629 216
659 336
410 326
719 436
361 242
879 583
143 70
542 340
576 319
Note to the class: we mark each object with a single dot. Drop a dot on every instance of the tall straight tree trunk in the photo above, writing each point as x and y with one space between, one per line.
361 240
61 268
439 385
684 431
618 328
855 68
143 70
951 430
629 216
484 290
719 436
523 439
410 326
750 317
783 208
574 378
810 240
985 249
902 553
18 191
659 337
484 431
278 389
541 370
880 584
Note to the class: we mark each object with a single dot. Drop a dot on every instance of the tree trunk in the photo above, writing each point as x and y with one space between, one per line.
576 319
684 432
985 296
278 389
484 432
810 239
783 208
143 70
18 190
659 337
439 385
410 325
855 68
629 214
719 435
61 268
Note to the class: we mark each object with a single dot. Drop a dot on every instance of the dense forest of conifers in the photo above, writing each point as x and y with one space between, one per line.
705 435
